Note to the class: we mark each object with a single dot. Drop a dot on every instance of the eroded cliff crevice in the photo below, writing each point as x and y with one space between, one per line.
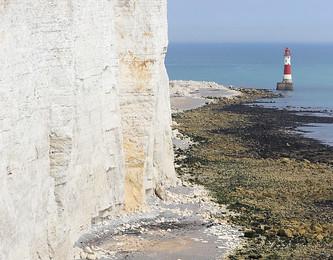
84 118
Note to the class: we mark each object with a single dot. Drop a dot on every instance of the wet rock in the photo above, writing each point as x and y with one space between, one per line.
254 256
250 234
301 231
285 160
317 228
285 232
260 231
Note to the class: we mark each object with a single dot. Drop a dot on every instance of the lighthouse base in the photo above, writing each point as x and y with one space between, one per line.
284 86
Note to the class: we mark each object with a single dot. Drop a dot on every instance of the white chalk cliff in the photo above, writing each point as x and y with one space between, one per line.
84 118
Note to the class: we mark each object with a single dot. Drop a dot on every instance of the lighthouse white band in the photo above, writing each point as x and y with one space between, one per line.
287 77
287 60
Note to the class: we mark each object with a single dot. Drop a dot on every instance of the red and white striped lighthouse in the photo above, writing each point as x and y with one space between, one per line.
287 83
287 66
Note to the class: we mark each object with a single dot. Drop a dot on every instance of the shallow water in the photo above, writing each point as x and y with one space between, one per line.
321 132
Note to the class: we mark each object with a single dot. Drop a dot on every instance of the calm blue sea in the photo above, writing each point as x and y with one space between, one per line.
261 66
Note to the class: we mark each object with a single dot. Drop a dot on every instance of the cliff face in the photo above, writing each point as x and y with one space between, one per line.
84 118
144 96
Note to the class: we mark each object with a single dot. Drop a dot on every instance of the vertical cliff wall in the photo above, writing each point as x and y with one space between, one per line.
144 97
84 118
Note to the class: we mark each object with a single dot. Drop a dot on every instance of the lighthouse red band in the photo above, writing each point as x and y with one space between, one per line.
287 66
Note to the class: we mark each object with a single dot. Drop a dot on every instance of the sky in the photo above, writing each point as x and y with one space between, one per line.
250 21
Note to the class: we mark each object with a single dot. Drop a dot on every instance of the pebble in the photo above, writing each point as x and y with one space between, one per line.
83 255
91 257
88 250
285 233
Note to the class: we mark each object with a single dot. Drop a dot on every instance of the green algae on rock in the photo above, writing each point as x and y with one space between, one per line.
278 182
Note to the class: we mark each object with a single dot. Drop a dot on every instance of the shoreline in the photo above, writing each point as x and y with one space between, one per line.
205 216
322 132
188 95
182 222
250 157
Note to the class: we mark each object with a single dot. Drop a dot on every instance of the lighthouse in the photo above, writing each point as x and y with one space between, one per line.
287 82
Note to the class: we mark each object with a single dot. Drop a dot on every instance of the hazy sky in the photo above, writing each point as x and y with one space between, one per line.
250 20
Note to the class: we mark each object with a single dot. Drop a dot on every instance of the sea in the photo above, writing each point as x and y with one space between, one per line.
260 65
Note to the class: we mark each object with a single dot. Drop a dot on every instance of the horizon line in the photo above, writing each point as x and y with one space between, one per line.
244 42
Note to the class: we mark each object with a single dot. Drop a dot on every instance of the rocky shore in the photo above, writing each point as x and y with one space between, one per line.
277 182
250 186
